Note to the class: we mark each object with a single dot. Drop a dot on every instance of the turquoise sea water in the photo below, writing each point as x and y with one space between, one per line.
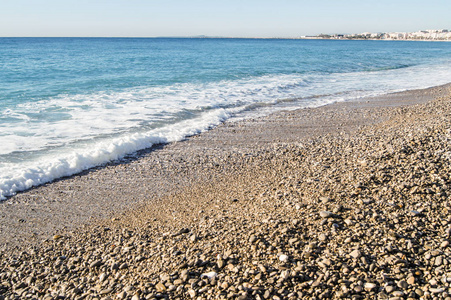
68 104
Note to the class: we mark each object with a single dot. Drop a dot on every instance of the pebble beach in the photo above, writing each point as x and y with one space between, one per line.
345 201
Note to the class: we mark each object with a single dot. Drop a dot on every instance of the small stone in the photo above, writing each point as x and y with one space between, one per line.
403 284
220 264
193 238
327 262
411 280
389 289
436 290
358 288
178 282
369 286
209 275
324 199
283 258
419 292
292 241
435 252
160 287
438 261
123 266
29 280
57 237
192 293
325 214
398 294
122 295
444 244
183 230
355 254
448 231
414 213
106 291
96 263
362 162
184 276
349 222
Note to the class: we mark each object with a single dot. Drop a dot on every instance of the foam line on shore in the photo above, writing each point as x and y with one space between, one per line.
47 169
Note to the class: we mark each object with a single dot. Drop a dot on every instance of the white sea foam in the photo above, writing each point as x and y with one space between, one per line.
65 135
22 176
68 118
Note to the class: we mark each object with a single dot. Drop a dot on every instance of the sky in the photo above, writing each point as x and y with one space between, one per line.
228 18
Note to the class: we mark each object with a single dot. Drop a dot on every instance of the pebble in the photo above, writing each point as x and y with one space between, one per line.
403 284
389 288
160 287
438 261
448 231
57 237
96 263
192 293
209 275
358 288
436 290
369 286
356 254
220 264
397 294
326 214
283 258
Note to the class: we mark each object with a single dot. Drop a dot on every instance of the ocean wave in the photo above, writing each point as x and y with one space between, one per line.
23 176
386 68
92 129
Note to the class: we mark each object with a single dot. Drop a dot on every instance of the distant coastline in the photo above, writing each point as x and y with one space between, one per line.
422 35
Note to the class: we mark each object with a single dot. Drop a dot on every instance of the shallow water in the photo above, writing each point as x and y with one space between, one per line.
68 104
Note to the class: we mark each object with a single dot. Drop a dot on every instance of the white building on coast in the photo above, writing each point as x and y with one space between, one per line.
430 35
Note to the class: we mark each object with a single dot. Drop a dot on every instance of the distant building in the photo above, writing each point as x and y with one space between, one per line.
431 34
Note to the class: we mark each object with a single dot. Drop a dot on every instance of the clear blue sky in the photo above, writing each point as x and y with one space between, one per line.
237 18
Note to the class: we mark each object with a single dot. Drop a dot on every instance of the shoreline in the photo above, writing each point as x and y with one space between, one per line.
348 199
57 200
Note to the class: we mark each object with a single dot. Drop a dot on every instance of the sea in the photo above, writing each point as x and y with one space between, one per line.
70 104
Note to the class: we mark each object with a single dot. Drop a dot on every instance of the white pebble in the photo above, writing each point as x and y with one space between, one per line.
283 258
209 275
